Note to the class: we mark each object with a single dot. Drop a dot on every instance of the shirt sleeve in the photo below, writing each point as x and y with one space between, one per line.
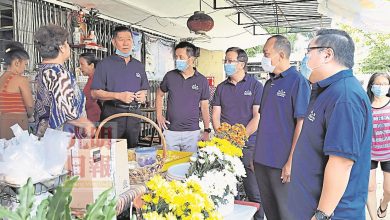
344 131
144 80
99 77
205 90
301 98
258 93
164 84
217 97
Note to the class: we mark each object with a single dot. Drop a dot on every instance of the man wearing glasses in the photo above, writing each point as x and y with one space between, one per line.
332 159
187 90
282 109
237 100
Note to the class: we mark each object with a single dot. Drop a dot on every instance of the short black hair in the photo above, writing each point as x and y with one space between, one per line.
192 50
241 54
90 58
13 51
282 44
48 40
120 29
341 44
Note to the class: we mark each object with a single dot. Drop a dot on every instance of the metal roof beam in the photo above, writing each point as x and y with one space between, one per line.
215 7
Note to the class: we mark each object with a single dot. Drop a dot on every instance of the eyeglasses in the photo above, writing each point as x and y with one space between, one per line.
315 48
231 61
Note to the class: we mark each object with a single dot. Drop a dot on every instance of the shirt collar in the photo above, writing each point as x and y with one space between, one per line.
119 58
334 78
195 74
227 81
282 74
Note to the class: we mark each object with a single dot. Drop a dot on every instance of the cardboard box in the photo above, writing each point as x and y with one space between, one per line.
100 164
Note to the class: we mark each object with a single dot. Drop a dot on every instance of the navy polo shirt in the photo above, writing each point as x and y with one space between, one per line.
338 122
184 96
237 102
112 74
285 98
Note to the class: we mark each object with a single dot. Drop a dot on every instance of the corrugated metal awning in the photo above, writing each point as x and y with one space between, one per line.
278 16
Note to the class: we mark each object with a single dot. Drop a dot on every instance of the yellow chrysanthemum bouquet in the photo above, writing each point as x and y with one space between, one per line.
217 166
176 200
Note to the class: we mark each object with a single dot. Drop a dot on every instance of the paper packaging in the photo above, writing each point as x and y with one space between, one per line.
100 164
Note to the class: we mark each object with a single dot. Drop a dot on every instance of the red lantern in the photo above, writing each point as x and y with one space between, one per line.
200 22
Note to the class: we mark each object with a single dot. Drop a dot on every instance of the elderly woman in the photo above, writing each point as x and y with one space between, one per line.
88 63
59 101
16 101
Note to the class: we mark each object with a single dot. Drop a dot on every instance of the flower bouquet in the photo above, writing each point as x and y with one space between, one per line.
236 134
176 200
218 167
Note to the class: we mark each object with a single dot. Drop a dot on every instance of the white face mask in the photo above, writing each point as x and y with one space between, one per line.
266 64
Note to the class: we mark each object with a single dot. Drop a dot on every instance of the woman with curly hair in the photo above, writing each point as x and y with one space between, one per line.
59 100
16 101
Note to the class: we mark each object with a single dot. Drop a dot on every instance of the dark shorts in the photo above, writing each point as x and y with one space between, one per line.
385 165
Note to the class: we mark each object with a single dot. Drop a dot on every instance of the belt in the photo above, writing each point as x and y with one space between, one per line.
122 105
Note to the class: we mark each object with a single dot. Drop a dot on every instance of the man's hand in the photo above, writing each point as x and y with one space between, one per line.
286 171
162 122
125 97
140 96
205 136
313 218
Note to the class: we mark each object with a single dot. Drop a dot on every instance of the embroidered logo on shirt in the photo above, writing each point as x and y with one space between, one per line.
248 92
312 116
281 93
195 87
138 75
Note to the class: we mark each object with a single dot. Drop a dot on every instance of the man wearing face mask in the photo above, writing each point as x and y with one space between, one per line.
187 91
332 159
282 109
237 100
121 82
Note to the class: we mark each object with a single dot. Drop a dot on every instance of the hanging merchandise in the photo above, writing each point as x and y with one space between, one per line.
155 49
137 45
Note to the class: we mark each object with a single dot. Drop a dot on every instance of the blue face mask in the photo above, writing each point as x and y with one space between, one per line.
230 69
120 53
380 90
304 68
181 65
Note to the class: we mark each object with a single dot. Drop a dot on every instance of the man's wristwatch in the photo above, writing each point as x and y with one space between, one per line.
208 130
320 215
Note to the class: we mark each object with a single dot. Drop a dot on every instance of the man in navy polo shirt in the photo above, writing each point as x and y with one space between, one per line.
282 109
237 100
187 91
331 165
120 81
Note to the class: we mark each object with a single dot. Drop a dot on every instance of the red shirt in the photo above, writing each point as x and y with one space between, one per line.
91 106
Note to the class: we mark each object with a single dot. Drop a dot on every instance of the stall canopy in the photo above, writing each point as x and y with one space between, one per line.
367 15
236 22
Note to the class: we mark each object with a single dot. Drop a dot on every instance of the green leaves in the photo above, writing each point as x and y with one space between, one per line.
102 209
58 206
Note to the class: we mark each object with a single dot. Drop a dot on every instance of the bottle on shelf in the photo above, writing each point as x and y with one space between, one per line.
76 36
93 38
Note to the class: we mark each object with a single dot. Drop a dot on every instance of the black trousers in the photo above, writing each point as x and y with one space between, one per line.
274 193
123 127
250 183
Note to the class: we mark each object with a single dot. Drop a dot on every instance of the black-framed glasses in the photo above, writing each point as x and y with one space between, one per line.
231 61
315 48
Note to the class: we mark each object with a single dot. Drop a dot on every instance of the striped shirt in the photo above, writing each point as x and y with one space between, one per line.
11 102
380 148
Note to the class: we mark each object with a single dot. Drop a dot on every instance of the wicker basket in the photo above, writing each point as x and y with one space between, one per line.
142 174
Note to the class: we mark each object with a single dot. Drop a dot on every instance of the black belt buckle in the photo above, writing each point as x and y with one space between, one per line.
134 107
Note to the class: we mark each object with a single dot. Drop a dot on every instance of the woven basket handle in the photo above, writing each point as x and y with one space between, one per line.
163 141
